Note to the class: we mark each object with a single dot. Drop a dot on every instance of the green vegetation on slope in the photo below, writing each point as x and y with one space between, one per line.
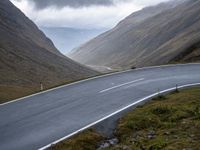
169 122
87 140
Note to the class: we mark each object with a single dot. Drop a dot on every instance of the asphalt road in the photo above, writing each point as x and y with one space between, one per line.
39 120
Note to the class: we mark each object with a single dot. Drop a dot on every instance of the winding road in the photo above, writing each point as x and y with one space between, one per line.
37 121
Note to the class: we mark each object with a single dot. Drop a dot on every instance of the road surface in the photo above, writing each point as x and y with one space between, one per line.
36 121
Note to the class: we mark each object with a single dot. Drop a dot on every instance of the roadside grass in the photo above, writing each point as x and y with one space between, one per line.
8 93
86 140
11 92
170 122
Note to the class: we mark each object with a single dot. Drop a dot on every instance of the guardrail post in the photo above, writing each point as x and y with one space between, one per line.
176 88
41 86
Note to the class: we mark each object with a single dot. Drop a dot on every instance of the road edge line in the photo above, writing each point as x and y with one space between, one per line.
116 112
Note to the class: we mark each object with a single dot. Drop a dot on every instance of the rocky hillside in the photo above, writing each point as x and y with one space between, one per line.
161 34
28 57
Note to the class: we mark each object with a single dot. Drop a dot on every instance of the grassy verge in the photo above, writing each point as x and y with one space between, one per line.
87 140
169 122
8 93
11 92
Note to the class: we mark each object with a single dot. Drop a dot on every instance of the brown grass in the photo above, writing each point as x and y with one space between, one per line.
8 93
87 140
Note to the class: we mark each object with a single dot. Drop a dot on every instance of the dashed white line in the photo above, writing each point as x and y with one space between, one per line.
120 85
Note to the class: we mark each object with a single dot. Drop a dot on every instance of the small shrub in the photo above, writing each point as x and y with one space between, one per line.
88 139
162 110
197 112
160 98
142 123
179 115
158 145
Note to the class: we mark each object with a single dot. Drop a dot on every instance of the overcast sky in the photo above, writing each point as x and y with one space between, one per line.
80 13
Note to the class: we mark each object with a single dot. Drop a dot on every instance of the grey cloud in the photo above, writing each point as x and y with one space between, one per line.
40 4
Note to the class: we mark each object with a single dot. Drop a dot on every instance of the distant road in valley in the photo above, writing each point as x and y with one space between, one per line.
38 121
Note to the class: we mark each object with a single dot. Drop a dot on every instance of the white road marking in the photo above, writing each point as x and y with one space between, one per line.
120 85
116 112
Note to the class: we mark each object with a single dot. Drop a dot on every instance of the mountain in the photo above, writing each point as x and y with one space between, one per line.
168 32
28 57
66 39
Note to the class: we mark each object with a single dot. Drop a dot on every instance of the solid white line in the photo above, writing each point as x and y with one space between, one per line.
116 112
101 76
120 85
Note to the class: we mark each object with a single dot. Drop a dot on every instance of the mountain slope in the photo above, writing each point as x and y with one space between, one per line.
28 57
155 35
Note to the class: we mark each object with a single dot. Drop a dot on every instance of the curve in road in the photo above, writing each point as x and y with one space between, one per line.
37 121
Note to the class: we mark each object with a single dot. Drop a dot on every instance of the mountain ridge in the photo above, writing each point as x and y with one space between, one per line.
148 42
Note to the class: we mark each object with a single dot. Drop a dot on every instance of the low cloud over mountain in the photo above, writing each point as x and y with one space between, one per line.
72 3
80 13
